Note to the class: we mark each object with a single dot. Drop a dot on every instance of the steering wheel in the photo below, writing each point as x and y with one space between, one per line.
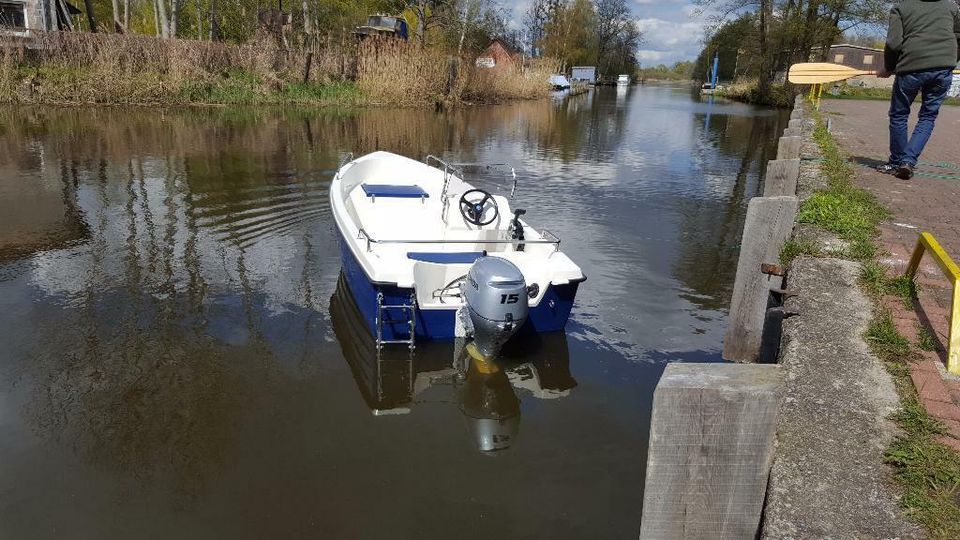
473 208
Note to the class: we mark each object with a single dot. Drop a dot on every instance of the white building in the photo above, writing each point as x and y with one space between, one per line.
22 17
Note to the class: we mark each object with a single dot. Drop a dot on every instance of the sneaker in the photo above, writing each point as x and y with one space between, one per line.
905 171
887 168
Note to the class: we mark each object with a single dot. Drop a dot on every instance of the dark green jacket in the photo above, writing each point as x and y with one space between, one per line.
923 35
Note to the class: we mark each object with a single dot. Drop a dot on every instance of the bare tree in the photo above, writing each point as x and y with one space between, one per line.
535 20
117 25
613 20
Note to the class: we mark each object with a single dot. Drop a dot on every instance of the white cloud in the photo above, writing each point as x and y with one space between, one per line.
667 41
659 2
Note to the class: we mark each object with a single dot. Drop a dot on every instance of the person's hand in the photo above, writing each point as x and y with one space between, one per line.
884 74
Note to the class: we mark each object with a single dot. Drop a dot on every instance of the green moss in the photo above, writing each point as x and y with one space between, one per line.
797 247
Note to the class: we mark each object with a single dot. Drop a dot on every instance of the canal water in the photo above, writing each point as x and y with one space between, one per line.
179 360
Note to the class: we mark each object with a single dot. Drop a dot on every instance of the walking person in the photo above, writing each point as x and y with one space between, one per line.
922 49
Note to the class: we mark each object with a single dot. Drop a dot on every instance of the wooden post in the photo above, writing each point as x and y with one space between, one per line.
767 228
711 447
796 123
781 178
791 132
796 114
788 148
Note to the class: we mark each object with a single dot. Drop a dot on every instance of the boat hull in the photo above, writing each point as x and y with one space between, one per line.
550 315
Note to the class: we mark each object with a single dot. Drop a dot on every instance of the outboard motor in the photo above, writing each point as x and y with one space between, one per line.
496 295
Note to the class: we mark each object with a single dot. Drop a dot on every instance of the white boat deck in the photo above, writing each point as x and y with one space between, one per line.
383 220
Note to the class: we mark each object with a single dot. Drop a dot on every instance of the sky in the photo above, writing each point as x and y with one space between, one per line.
672 31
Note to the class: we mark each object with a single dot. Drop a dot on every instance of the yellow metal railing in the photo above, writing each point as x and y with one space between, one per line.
816 92
927 243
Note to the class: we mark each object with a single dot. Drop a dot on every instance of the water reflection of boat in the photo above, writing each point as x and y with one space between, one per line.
430 257
485 391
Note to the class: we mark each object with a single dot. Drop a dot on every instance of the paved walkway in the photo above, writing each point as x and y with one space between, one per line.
930 202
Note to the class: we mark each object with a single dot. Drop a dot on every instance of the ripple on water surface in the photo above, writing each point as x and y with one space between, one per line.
181 354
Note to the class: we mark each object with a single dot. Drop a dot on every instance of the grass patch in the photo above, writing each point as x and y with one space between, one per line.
240 87
925 340
871 94
928 472
842 208
797 247
874 277
886 341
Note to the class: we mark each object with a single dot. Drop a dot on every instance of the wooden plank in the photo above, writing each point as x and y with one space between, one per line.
710 451
781 178
788 148
791 132
768 226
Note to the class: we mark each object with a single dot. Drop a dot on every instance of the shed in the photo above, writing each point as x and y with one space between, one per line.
20 18
856 56
584 73
496 54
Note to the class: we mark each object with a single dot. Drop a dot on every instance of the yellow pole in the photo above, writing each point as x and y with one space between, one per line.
927 243
953 347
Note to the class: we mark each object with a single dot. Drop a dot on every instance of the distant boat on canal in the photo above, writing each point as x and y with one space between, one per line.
623 80
713 86
559 82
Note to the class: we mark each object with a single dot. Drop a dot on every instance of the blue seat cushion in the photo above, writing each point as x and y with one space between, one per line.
389 190
446 257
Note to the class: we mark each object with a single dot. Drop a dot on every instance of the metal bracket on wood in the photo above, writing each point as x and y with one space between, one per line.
773 269
785 313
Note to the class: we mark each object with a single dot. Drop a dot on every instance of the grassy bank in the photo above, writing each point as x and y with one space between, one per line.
748 91
928 472
845 91
78 68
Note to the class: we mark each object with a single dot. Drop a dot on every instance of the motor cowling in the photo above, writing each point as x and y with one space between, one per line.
496 296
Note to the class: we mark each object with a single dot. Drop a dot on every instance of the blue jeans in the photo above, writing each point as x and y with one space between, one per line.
933 86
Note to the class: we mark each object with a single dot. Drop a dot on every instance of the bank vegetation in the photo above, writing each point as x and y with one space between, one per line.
757 41
81 68
244 52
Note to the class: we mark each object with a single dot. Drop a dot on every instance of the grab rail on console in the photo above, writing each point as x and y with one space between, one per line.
549 238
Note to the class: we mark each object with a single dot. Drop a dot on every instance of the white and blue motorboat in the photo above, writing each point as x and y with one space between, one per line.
427 256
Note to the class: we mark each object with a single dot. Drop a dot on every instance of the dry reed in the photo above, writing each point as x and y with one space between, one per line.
68 67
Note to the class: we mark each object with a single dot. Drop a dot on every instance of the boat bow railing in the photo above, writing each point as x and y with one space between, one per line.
547 238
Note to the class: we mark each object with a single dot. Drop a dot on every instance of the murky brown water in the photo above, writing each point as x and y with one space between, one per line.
176 360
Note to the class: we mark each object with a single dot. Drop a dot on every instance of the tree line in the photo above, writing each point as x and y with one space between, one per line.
762 38
601 33
590 32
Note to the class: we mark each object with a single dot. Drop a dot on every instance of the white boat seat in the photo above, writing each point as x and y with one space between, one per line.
395 191
446 257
